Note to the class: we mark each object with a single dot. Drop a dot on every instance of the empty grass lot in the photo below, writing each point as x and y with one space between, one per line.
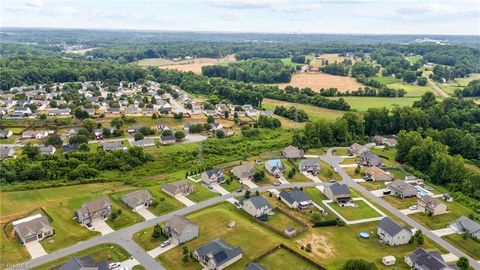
373 185
468 245
340 151
314 113
281 221
108 252
364 103
165 204
355 213
400 203
285 259
127 216
412 90
387 155
146 241
201 193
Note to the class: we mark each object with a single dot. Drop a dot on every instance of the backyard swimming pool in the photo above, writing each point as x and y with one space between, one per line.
422 191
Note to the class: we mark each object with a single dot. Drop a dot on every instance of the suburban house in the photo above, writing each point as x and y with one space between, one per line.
369 159
181 187
34 134
378 140
6 151
295 198
32 228
70 147
49 150
465 225
138 199
374 173
84 263
339 193
161 128
181 229
217 254
309 165
112 146
92 210
59 112
402 189
392 234
130 110
244 171
5 133
432 206
169 139
357 149
144 142
213 176
292 152
275 167
422 259
254 266
257 206
390 142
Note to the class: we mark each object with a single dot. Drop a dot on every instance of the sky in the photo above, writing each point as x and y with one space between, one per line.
452 17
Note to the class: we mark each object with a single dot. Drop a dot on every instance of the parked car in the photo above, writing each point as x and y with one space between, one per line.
258 161
237 204
413 207
239 190
276 184
387 192
165 243
114 265
335 170
332 181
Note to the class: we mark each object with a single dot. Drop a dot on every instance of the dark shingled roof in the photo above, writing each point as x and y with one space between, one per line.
254 266
339 189
428 260
258 202
390 226
296 195
79 263
219 250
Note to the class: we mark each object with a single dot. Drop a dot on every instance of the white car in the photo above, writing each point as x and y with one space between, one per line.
413 207
335 170
166 243
114 265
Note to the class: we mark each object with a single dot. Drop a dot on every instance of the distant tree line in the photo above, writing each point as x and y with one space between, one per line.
291 113
471 90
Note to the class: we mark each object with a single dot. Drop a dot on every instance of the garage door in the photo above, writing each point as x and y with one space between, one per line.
30 238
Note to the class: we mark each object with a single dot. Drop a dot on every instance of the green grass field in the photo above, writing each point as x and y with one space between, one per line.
387 155
201 193
412 90
144 239
284 259
414 58
469 245
108 252
340 151
386 80
127 216
400 203
454 211
363 103
355 213
313 112
281 221
373 185
466 80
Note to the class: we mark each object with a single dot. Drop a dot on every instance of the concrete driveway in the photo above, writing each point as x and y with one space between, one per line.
145 213
378 192
35 249
159 250
443 232
129 263
312 177
282 180
249 183
408 211
186 201
223 191
101 226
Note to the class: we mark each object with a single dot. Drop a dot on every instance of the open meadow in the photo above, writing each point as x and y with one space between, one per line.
316 81
193 65
364 103
314 112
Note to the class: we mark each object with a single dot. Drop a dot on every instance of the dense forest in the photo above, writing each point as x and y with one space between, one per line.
471 90
252 70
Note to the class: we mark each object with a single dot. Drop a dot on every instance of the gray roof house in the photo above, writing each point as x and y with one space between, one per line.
309 165
422 259
181 187
213 176
431 205
292 152
244 171
254 266
402 189
84 263
144 142
465 225
169 139
6 151
138 199
275 167
181 229
217 254
5 133
392 234
47 149
369 159
257 206
357 149
33 228
295 198
339 193
96 209
112 145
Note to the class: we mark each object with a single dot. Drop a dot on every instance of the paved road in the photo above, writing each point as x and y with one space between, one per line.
123 237
436 88
335 162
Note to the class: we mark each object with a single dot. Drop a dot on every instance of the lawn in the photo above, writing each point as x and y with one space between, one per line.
247 234
454 211
351 172
146 241
340 151
232 185
412 90
326 172
127 216
316 151
400 203
314 112
285 259
297 177
468 245
165 204
414 58
11 246
373 185
60 204
351 160
364 103
108 252
201 193
466 80
386 80
387 155
281 221
12 139
355 213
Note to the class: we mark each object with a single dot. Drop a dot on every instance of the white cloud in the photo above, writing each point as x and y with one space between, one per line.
63 11
35 3
286 6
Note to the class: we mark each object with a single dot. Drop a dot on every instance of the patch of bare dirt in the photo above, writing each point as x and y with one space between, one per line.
320 245
316 81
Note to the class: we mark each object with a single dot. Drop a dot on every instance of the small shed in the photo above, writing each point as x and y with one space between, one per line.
389 260
232 224
290 231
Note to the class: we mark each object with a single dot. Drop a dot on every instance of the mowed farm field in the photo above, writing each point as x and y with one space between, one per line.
330 57
363 103
194 65
314 113
316 81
